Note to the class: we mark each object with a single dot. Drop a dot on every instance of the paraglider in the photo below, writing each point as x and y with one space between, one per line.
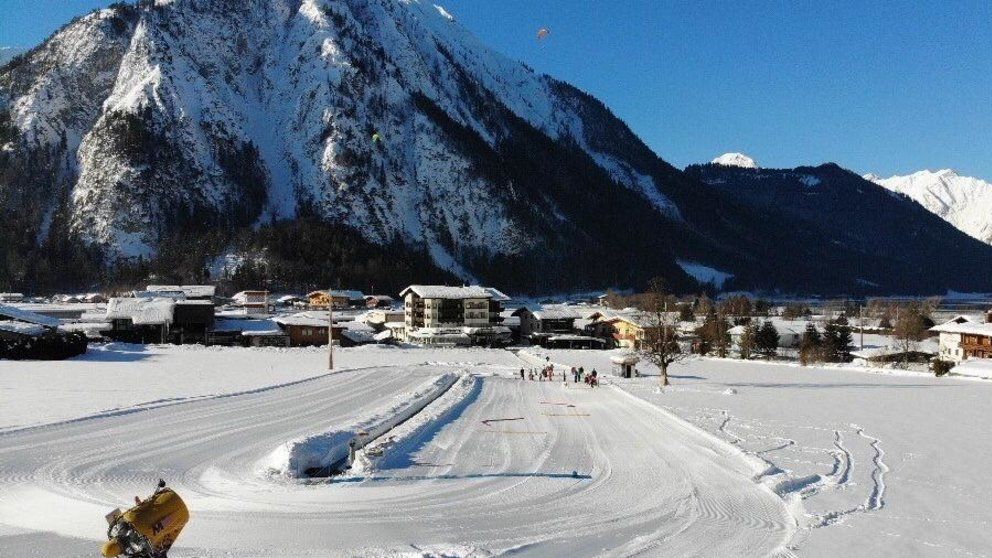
376 138
543 33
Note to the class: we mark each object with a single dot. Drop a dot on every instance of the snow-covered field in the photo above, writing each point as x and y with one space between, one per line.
885 463
735 459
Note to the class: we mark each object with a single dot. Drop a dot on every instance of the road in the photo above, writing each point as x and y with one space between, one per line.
580 472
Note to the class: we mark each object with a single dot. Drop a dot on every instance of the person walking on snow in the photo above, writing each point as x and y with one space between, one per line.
521 373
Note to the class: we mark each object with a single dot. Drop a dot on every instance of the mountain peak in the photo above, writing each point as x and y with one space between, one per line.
735 160
963 201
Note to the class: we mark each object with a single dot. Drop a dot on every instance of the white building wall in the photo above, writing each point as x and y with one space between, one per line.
950 347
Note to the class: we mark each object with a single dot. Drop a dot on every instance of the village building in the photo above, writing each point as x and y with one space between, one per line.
251 300
790 332
140 320
630 331
378 319
553 327
233 329
442 315
309 329
546 321
625 366
285 301
378 301
342 299
162 314
965 337
11 297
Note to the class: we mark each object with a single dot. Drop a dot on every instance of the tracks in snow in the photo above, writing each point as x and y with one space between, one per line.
624 480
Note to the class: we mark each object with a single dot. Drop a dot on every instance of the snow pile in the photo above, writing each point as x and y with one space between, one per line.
369 458
329 449
735 160
705 274
962 201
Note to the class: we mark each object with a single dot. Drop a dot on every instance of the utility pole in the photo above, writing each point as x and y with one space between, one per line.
861 318
330 329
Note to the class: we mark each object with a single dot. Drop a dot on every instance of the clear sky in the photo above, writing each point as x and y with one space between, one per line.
887 87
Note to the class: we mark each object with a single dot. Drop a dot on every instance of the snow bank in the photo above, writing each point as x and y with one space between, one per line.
328 449
377 451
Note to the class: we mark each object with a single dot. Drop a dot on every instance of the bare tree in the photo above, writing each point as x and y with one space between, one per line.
660 345
910 328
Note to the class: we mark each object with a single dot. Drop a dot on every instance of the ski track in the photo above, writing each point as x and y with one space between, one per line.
752 437
608 478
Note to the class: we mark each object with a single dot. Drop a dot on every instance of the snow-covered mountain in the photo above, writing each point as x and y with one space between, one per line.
368 113
735 160
357 142
962 201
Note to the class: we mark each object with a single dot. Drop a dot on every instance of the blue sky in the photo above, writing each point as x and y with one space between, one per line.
889 87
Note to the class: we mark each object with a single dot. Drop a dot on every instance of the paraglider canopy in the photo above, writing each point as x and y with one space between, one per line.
376 138
543 33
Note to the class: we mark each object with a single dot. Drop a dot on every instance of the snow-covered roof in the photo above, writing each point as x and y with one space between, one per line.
644 319
379 298
141 311
250 296
11 297
191 291
450 293
338 293
304 319
22 328
970 328
357 336
289 298
383 335
552 313
86 326
21 315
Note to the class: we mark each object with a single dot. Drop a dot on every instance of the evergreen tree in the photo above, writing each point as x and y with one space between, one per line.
766 339
748 341
837 341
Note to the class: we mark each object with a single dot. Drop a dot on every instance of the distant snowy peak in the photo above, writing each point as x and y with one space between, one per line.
962 201
735 160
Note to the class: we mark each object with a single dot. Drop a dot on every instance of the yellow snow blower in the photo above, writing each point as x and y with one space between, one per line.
149 528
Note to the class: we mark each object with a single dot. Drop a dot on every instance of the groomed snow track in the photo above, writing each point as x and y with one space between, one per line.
608 477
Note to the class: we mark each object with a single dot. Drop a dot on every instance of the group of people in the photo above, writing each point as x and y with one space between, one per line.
547 373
